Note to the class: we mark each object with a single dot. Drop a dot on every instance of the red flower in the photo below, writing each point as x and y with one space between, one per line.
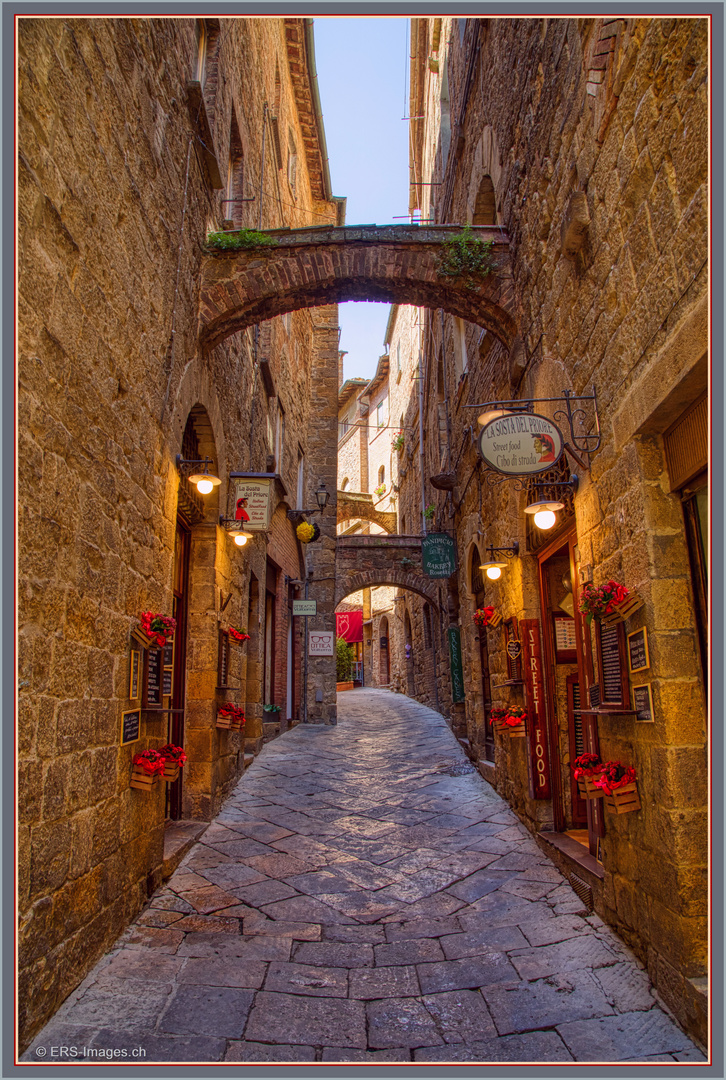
174 754
614 775
151 761
482 616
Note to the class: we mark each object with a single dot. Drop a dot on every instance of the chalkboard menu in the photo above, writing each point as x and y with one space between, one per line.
223 659
167 681
514 650
154 669
130 726
168 654
643 703
614 691
638 659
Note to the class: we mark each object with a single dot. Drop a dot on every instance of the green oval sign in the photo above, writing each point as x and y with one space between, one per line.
520 444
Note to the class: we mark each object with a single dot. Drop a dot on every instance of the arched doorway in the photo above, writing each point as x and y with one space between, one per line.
384 661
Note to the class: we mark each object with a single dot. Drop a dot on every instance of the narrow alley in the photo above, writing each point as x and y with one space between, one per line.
364 895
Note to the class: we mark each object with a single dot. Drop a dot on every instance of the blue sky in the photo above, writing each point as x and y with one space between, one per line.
362 75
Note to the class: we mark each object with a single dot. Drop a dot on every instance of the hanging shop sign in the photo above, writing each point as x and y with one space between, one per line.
535 694
252 503
520 444
130 726
457 671
321 643
304 607
439 555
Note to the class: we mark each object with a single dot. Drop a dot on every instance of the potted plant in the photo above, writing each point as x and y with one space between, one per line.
158 627
515 722
617 782
380 490
398 441
274 709
239 633
307 533
496 718
487 616
230 716
430 512
147 768
344 660
586 769
174 760
611 602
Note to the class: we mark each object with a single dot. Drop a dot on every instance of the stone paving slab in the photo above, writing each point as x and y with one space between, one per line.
366 896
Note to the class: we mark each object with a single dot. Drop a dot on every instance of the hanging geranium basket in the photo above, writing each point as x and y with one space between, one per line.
174 760
586 768
147 768
158 627
307 533
239 633
496 718
487 616
230 716
617 781
611 602
514 722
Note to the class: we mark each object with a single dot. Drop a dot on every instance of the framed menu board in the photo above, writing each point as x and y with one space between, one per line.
134 674
638 659
130 726
643 703
611 662
153 689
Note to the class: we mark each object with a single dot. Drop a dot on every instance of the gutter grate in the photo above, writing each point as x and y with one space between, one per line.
583 890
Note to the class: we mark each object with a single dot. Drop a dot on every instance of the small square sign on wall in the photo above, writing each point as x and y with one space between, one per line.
321 643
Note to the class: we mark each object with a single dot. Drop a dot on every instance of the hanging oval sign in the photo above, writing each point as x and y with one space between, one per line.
520 444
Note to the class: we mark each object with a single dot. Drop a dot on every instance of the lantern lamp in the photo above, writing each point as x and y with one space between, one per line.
204 480
493 568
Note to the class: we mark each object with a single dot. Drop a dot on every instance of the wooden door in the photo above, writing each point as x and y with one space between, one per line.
175 726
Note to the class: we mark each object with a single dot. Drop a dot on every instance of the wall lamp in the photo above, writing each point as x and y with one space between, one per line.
205 480
494 568
544 509
234 528
321 497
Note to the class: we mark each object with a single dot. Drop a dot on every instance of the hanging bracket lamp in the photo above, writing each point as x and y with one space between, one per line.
544 510
493 568
204 480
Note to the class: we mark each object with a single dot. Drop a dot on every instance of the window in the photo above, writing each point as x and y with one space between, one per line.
280 437
291 162
205 71
381 413
202 39
382 475
445 127
460 356
344 485
235 176
485 207
300 479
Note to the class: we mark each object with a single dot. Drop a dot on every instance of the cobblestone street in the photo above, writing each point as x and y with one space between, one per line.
366 896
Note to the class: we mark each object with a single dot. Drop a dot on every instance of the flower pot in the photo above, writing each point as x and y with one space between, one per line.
623 799
143 781
495 619
171 772
587 789
229 723
517 731
622 611
344 686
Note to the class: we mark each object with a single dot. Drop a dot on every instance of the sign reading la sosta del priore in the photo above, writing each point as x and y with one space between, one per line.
252 503
520 444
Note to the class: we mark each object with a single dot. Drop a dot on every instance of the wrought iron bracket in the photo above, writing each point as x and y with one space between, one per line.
582 424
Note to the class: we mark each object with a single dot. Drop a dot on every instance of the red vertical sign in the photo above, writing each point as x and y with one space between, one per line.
536 712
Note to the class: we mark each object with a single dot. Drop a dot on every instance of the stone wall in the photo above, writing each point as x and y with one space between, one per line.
115 196
589 139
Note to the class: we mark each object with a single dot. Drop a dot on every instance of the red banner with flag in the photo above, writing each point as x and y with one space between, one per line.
349 625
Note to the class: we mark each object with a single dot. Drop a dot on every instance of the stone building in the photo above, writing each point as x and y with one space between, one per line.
584 143
137 139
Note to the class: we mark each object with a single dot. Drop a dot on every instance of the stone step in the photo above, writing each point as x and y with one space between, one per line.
270 731
249 758
179 836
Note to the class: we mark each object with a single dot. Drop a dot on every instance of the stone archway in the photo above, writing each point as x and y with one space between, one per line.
396 264
359 504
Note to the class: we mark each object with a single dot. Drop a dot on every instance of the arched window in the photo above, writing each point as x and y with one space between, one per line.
382 475
485 207
344 485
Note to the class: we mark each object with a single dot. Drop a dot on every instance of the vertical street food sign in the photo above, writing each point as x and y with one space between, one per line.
534 686
252 503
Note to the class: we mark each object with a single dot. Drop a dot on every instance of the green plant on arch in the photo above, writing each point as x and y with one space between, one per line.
237 241
467 257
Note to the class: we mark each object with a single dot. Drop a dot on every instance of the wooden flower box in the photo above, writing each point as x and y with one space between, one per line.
495 620
229 723
623 799
627 607
517 731
143 781
587 788
171 772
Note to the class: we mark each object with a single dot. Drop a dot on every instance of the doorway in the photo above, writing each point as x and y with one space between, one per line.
178 645
571 731
384 666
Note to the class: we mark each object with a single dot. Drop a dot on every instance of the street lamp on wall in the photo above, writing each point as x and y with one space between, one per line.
322 495
234 529
204 480
491 566
544 510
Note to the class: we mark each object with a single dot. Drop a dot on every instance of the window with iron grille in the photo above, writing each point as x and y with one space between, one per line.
554 492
